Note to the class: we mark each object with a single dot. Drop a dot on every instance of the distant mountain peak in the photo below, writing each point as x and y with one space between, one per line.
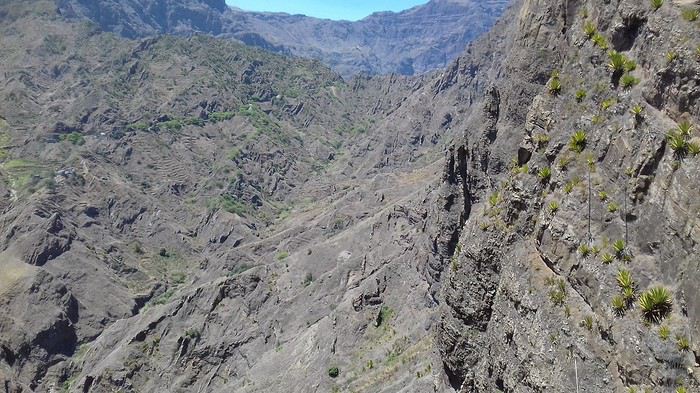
417 40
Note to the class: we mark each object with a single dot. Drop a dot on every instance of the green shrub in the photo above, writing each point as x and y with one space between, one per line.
578 141
619 305
613 207
554 86
624 279
581 95
656 4
607 104
282 255
628 81
664 333
495 199
682 343
333 372
600 41
685 129
619 247
656 304
603 196
172 125
690 14
630 65
217 117
607 258
628 294
679 144
545 174
637 111
553 207
589 29
693 148
617 61
584 250
681 389
75 138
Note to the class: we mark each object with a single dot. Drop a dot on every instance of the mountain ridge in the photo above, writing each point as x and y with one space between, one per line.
376 44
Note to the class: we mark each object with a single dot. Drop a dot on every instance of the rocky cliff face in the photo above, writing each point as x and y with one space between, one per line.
415 41
259 225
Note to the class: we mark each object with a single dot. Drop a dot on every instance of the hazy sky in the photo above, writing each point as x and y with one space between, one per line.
332 9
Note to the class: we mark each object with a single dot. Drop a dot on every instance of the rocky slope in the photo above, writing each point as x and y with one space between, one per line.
414 41
391 235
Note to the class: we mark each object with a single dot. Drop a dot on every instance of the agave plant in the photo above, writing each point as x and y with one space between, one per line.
685 129
693 148
619 247
624 279
664 332
584 250
617 61
553 207
682 343
619 305
581 95
637 111
590 29
629 294
545 174
600 41
607 258
578 141
656 304
554 86
679 144
656 4
628 81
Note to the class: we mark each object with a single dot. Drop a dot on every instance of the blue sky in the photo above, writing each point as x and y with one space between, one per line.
331 9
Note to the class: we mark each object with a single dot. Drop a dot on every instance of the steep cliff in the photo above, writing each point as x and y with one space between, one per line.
194 215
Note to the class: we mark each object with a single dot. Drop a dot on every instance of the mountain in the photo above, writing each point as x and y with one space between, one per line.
191 214
414 41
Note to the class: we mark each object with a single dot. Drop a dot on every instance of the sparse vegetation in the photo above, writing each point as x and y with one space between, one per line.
637 111
624 279
603 196
587 322
578 141
584 250
656 4
607 258
619 247
690 14
619 305
682 343
554 85
607 104
664 333
545 174
589 29
628 81
617 61
557 293
333 372
282 255
671 56
581 95
553 207
656 304
600 41
679 144
75 138
613 207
